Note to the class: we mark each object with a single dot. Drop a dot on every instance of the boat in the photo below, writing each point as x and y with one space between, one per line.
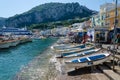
80 54
38 37
9 43
68 46
12 43
88 60
60 55
15 42
59 46
23 40
74 50
5 44
69 49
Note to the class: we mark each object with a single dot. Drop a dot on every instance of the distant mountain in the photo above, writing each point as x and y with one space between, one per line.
2 21
49 12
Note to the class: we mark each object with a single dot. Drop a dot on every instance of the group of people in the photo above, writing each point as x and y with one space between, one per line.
84 38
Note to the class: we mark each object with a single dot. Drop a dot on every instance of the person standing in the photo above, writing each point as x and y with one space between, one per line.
118 40
91 37
97 38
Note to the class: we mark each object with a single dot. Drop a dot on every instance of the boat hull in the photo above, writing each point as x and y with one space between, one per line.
67 46
79 54
87 63
15 43
5 45
23 40
73 51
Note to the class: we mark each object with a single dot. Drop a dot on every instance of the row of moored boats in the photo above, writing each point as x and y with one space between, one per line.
80 55
12 42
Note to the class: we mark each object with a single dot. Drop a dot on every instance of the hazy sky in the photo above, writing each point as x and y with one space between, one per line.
11 7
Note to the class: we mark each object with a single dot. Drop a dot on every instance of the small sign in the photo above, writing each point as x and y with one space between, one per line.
90 63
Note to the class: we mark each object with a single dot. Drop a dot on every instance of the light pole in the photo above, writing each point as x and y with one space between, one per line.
115 25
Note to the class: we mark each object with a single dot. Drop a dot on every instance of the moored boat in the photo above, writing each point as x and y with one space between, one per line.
60 54
5 44
15 42
80 54
68 47
23 40
88 60
75 50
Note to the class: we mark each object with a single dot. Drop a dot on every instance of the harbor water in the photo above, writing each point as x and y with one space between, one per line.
14 59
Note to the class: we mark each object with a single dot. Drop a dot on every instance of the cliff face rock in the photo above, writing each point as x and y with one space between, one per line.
49 12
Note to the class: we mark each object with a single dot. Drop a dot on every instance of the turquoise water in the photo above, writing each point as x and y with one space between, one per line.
13 59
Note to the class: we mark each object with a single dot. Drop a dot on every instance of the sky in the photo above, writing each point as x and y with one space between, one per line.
10 8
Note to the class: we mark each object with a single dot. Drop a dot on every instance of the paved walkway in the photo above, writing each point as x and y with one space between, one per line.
111 46
110 73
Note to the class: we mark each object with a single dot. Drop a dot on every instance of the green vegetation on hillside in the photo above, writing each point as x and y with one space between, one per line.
51 25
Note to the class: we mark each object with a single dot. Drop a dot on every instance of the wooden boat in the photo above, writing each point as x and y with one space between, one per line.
56 46
74 50
5 44
62 54
23 40
88 60
83 53
15 43
67 46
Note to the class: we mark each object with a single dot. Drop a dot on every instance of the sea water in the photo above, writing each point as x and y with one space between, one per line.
12 60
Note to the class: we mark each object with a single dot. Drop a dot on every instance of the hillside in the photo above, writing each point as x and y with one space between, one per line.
2 21
49 12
